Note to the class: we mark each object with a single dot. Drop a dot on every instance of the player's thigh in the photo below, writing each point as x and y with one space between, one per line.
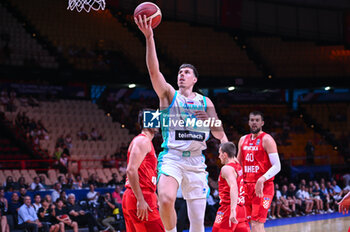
167 188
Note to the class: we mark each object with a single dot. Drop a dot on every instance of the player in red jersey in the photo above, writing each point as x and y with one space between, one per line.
231 215
140 206
257 152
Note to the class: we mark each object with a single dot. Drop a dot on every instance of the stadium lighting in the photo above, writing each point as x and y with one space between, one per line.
132 86
327 88
231 88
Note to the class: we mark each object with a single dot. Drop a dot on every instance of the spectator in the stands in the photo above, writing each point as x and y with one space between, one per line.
27 217
49 199
62 180
69 181
108 162
63 163
93 180
62 216
78 183
326 198
36 185
3 211
46 215
77 214
116 179
21 183
63 197
14 205
292 196
37 202
122 169
42 180
92 196
304 196
9 184
68 141
117 195
288 206
276 204
94 135
82 135
22 194
56 192
315 195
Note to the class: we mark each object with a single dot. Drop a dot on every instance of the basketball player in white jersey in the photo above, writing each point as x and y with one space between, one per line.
181 163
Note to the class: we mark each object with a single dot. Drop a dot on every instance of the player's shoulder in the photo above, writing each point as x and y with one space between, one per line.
267 136
243 138
141 141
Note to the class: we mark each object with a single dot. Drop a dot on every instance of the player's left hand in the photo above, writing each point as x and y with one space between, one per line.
259 187
201 115
142 210
233 218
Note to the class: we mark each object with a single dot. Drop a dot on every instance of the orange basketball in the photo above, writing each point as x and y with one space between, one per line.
151 11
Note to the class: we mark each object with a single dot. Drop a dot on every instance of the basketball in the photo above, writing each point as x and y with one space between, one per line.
151 11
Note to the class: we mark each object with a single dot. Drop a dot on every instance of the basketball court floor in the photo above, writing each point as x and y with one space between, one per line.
332 222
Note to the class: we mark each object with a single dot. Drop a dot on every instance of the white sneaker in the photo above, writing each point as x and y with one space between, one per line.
330 211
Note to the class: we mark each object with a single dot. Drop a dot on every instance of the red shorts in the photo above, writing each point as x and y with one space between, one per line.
257 208
221 223
132 222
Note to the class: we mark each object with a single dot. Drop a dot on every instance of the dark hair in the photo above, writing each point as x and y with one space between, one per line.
257 113
191 67
58 200
229 148
37 194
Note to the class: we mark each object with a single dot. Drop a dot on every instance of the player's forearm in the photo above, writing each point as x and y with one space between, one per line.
234 197
151 57
134 182
219 134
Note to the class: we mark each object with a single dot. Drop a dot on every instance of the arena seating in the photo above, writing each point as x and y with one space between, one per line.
21 47
50 176
76 33
332 116
67 117
214 53
301 58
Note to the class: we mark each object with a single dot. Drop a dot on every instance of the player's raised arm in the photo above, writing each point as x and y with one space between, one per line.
229 174
160 86
138 152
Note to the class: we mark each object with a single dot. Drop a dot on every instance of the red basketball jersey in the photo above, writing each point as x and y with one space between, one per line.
255 160
147 170
224 188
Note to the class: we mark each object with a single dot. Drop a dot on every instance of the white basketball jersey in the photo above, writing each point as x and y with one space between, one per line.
180 128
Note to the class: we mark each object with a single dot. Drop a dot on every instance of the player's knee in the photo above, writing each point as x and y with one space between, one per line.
166 200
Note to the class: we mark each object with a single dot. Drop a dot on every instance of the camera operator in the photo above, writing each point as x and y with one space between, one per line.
107 206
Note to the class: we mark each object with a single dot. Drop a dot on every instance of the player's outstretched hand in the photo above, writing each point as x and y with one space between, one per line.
142 210
233 218
344 204
144 26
